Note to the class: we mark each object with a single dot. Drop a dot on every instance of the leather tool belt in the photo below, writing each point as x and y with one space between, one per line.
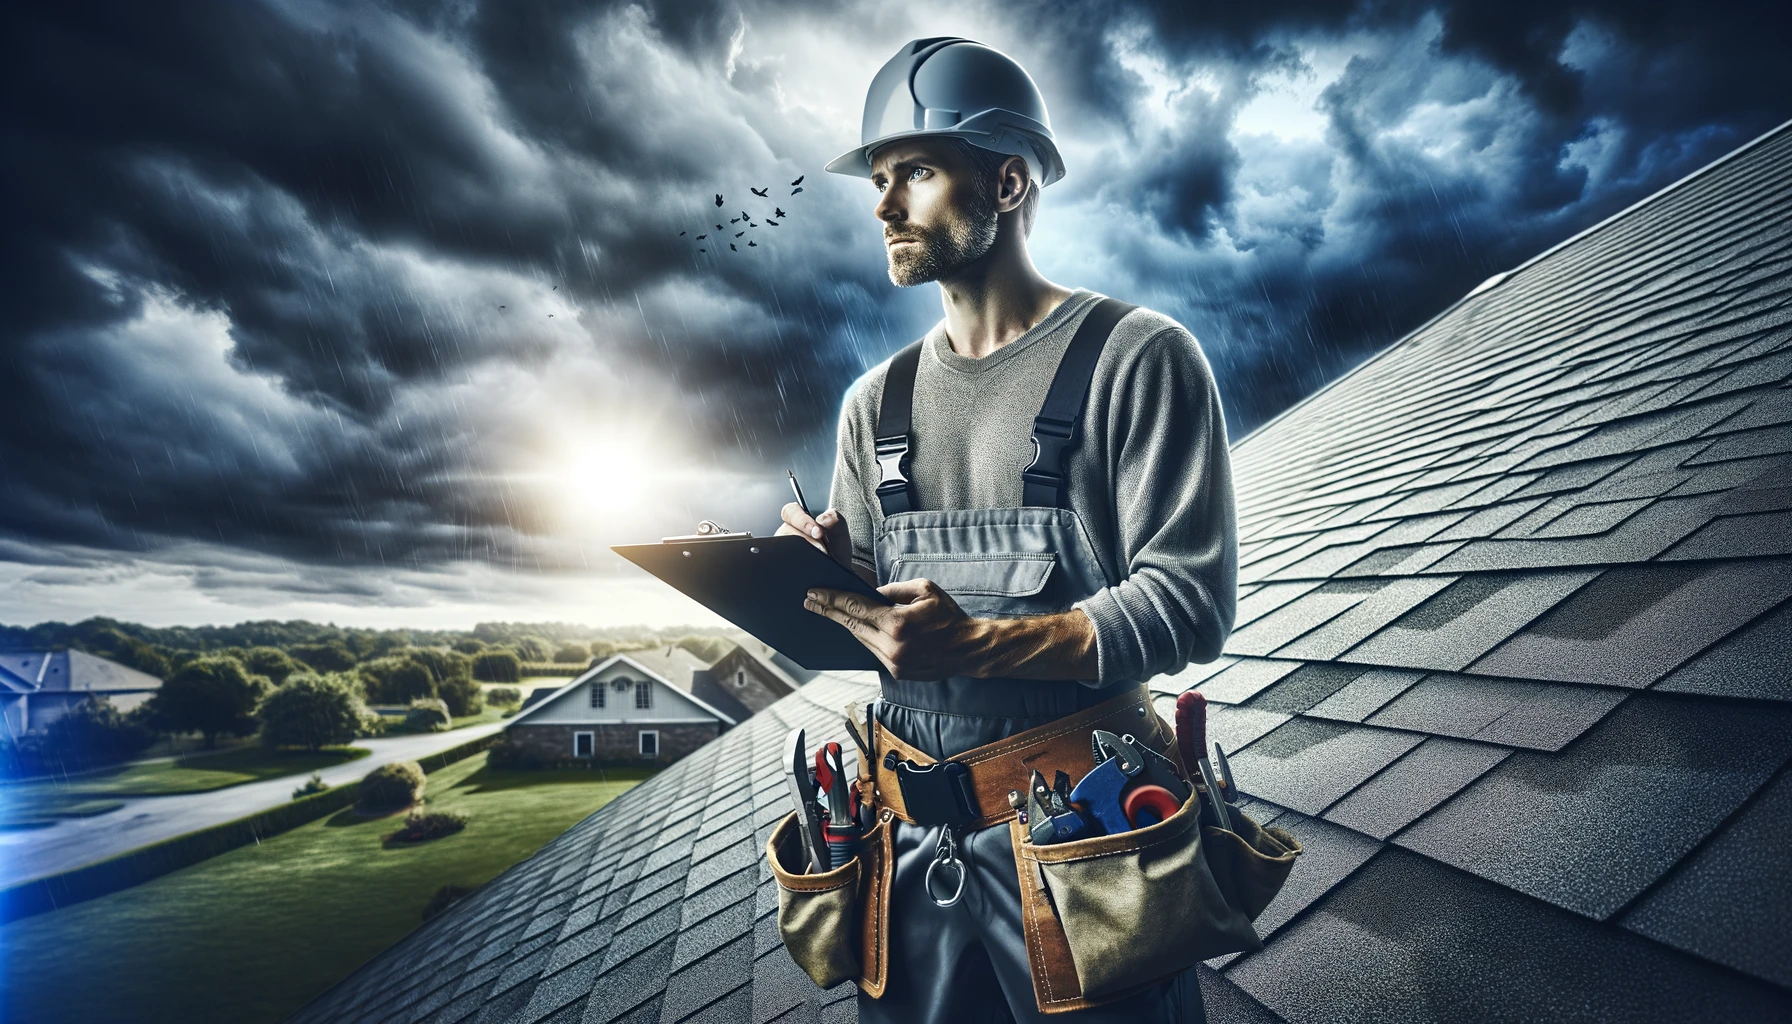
990 772
1189 884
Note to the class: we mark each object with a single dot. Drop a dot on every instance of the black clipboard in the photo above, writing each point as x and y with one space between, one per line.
759 584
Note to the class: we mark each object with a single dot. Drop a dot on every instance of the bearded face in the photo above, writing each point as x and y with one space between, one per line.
943 247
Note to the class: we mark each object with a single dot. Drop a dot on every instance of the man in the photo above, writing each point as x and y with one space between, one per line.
1021 595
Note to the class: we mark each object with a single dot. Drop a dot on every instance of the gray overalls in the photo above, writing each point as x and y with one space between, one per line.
968 962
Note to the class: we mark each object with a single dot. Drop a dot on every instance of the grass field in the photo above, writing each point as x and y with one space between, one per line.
23 804
253 934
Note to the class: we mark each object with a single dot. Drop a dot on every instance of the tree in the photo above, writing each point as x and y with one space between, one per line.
498 666
272 662
442 664
469 646
311 711
408 682
215 696
463 696
333 656
572 654
532 648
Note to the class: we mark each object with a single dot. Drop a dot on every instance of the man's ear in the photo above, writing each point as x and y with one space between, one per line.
1012 188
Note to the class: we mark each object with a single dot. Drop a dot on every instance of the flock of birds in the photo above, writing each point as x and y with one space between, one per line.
777 217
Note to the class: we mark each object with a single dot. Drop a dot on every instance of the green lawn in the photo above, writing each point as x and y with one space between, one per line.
251 935
27 803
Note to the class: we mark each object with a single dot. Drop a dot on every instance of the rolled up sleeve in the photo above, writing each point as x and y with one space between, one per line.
1172 482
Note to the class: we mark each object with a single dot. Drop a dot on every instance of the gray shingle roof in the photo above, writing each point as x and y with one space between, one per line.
1509 659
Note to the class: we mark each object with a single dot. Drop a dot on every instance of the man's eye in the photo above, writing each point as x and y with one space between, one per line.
918 170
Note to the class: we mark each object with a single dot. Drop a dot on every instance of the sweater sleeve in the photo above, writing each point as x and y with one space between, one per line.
849 492
1172 486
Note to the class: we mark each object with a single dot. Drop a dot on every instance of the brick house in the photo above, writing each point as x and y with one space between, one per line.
649 706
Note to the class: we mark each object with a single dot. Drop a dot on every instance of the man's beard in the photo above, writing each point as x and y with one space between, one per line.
945 251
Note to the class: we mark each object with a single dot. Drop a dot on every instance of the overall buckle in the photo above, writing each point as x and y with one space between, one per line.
892 464
1052 438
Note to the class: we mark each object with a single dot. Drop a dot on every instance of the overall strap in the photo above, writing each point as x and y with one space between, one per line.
1056 428
894 415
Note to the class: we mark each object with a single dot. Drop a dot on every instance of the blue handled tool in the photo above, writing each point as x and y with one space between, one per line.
1100 791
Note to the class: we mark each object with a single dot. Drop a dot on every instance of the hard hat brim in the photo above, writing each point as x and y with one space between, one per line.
857 161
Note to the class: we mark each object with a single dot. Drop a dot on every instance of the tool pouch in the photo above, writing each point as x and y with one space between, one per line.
1107 915
836 924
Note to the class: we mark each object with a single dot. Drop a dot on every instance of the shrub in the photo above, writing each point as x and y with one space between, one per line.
315 784
392 786
428 715
503 695
498 667
421 826
271 662
445 897
463 697
572 654
505 752
311 711
531 648
469 646
214 696
93 732
331 657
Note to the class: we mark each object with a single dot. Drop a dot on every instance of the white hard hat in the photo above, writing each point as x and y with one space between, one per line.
956 87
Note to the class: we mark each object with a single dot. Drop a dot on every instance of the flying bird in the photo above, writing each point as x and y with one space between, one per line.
701 237
718 227
774 223
556 288
731 247
794 191
753 243
734 220
744 215
779 213
718 198
702 250
503 307
681 234
760 192
751 224
737 234
799 179
550 316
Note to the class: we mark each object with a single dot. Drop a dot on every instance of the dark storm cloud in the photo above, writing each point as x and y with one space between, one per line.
257 252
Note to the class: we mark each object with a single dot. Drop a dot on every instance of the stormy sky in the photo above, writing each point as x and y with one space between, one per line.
379 313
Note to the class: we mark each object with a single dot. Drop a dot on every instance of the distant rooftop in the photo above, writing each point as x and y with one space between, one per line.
45 671
1510 659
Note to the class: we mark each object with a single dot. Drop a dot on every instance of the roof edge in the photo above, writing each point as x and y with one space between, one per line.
1501 278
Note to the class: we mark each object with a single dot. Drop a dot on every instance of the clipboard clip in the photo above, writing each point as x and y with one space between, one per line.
708 529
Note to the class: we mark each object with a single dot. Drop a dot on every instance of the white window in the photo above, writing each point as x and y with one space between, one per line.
583 744
740 677
622 683
599 697
650 743
643 694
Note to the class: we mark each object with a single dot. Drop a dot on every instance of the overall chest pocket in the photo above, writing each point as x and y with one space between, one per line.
987 583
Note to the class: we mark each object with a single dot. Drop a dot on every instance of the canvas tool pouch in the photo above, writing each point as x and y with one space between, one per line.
835 924
1107 915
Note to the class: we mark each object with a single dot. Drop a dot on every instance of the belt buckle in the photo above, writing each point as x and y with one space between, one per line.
935 794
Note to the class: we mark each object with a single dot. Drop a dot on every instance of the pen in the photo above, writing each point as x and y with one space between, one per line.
802 504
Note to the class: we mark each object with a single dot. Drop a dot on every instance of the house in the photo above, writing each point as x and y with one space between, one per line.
1509 659
654 705
38 687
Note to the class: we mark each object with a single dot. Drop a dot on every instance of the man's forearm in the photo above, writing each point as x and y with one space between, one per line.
1060 646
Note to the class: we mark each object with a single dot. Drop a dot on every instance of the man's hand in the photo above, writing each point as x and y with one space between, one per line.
828 532
925 635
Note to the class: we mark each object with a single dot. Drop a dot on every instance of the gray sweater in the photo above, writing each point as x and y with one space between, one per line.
1151 478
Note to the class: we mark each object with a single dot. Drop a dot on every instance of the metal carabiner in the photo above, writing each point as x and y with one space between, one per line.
946 853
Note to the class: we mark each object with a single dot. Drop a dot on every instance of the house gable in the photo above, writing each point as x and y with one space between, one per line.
619 678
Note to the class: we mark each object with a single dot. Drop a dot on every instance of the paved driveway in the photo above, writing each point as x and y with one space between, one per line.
26 854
